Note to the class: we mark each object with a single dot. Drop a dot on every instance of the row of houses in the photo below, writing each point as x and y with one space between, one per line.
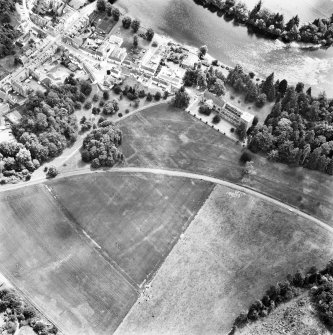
226 110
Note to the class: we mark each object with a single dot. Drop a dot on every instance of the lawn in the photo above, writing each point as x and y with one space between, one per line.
164 137
57 268
135 218
235 248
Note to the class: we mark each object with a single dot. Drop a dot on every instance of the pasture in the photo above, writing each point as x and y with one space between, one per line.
234 249
169 138
135 218
57 268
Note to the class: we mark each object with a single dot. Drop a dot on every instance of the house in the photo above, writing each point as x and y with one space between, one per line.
213 100
115 72
190 60
4 108
113 39
171 77
117 55
152 60
14 117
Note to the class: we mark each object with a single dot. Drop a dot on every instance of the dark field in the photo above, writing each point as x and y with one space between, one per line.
172 139
135 218
234 249
57 268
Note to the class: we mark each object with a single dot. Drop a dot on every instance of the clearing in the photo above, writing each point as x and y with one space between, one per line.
135 218
235 248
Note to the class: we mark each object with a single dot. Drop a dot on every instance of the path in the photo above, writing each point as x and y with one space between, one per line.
181 174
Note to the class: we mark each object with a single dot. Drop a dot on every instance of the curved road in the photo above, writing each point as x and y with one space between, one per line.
181 174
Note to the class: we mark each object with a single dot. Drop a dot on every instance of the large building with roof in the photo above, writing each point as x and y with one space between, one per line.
226 110
117 55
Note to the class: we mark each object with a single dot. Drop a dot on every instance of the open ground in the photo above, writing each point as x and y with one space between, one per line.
80 253
236 247
165 137
58 270
135 218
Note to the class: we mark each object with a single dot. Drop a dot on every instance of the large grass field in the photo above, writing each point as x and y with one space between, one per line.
164 137
59 270
135 218
236 247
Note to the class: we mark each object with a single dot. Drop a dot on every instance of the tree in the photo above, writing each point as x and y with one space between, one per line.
135 41
165 95
108 9
149 97
149 34
116 14
106 95
87 105
126 22
101 5
241 131
218 88
86 88
182 99
52 172
202 51
268 87
157 96
216 119
95 97
261 100
283 85
135 25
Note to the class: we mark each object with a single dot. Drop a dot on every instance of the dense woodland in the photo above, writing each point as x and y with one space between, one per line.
320 284
18 314
101 146
47 127
211 78
298 131
7 32
262 21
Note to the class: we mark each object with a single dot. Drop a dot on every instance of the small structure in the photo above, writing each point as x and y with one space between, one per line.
190 60
116 40
117 55
4 108
14 117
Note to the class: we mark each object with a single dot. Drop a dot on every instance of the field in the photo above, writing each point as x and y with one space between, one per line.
234 249
167 138
42 254
135 218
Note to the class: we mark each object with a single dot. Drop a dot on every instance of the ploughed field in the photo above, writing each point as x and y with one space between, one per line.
135 218
165 137
79 248
234 249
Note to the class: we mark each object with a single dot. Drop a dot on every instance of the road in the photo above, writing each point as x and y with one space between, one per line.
179 174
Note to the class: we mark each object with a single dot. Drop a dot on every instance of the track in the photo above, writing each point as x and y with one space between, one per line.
179 174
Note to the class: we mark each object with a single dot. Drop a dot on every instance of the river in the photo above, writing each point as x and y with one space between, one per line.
189 23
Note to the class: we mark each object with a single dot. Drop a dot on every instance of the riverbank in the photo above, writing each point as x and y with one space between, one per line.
271 25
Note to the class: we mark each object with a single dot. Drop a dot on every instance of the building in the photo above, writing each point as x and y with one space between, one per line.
189 61
4 108
20 87
117 55
113 39
227 111
173 78
14 117
152 60
115 72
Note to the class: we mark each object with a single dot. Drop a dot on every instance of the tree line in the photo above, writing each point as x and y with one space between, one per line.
18 314
7 32
273 25
298 131
320 284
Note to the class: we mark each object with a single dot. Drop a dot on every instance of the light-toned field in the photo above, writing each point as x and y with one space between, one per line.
235 248
57 268
135 218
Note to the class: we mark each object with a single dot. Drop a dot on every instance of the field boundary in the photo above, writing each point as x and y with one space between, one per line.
89 240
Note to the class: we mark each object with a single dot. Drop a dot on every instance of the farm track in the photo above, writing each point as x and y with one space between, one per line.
183 174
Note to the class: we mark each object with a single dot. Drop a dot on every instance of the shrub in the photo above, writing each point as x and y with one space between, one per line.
216 119
245 157
106 95
87 105
52 172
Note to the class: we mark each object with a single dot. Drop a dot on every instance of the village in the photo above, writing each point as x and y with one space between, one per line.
92 46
